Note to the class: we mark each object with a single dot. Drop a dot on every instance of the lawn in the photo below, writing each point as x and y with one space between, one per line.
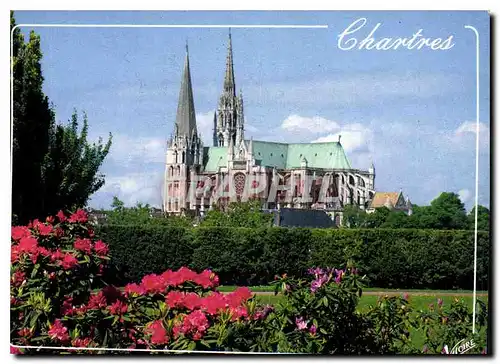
417 301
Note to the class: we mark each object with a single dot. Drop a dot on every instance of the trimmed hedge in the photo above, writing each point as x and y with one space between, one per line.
402 258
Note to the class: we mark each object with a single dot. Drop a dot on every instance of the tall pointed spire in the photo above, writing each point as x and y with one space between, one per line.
229 85
185 121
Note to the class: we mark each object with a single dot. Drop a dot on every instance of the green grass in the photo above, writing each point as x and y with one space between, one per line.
268 288
417 302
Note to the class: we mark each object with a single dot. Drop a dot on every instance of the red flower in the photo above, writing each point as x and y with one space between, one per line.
58 332
43 251
97 301
34 257
187 274
101 248
81 342
153 283
60 215
91 233
238 312
238 296
50 219
175 299
59 232
214 303
27 245
134 288
84 245
15 351
57 255
19 232
44 230
79 216
69 261
157 332
196 323
191 301
118 308
25 333
14 253
67 308
18 278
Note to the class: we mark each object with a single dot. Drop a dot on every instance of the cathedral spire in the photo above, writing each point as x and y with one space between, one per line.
229 85
185 122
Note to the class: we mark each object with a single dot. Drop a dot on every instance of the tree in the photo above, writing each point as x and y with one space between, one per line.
70 171
33 118
238 214
353 217
449 211
54 167
483 218
377 218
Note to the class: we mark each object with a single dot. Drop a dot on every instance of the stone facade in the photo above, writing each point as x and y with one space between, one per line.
301 175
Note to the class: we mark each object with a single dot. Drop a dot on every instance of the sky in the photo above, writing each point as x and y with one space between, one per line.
411 112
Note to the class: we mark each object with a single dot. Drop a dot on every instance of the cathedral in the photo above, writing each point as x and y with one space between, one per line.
232 168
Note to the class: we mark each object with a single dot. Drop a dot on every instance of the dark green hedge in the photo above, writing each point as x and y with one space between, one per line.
403 258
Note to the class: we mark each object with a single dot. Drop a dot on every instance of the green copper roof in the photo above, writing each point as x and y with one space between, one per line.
270 154
215 157
284 156
318 155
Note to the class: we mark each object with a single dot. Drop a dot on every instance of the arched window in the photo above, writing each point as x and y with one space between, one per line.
171 171
351 180
361 182
183 157
175 157
178 170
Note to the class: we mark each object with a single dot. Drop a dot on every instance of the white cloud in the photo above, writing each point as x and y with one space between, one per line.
132 188
464 137
353 137
205 125
126 150
464 195
313 125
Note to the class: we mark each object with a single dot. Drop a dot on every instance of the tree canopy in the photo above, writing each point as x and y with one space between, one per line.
54 166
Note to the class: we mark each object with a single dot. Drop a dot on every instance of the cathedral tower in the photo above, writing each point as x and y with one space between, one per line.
228 119
184 148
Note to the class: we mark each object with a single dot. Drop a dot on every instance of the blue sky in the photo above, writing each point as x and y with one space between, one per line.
410 111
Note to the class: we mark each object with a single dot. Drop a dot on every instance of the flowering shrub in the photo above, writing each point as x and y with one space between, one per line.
59 299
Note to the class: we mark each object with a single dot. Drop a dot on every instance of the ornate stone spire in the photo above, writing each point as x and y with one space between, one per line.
185 121
229 85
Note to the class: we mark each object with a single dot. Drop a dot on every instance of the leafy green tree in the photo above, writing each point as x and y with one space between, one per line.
70 169
483 218
448 212
377 218
238 214
54 167
33 118
353 217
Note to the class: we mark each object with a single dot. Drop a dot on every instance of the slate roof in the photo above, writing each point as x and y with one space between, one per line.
302 218
186 116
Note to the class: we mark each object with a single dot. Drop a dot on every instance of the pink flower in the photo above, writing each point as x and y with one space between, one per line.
97 301
239 312
153 283
69 261
133 288
175 299
50 220
57 255
213 303
18 278
15 351
58 331
79 216
312 330
28 245
158 333
118 308
81 342
61 216
440 302
84 245
405 296
191 301
44 230
301 324
19 232
101 248
25 333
